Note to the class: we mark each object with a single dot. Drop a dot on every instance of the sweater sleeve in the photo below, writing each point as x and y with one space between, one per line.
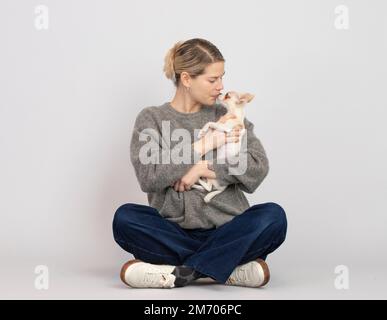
249 169
152 157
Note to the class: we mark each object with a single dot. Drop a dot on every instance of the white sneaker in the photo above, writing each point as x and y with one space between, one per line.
138 274
251 274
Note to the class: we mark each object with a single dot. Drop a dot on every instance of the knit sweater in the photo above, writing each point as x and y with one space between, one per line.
153 139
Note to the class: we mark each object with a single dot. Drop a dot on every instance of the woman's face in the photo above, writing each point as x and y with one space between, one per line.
206 88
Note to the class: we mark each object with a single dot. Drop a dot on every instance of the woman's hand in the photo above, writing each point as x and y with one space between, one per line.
214 139
191 177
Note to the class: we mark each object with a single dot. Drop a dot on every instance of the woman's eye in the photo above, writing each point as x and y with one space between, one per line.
213 81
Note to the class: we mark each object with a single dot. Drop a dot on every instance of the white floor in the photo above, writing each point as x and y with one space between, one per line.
102 282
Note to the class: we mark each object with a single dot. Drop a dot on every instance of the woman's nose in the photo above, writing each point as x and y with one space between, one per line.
220 86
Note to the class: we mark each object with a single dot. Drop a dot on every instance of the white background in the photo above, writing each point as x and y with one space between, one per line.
69 96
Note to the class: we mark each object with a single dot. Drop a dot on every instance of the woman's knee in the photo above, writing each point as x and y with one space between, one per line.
272 214
277 212
278 217
122 217
130 214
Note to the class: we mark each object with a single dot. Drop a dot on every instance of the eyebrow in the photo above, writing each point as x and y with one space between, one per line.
217 77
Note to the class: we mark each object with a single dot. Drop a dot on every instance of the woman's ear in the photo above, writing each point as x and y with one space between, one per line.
185 78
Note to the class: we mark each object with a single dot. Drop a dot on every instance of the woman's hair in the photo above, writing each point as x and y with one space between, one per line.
191 56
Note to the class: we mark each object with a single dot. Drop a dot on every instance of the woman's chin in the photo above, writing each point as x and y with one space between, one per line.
212 100
209 102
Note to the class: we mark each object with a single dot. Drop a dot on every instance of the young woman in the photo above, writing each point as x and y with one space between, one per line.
179 238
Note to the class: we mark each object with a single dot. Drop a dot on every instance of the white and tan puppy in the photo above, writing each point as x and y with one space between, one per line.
235 104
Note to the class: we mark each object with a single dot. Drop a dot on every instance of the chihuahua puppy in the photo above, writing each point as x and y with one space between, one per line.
235 104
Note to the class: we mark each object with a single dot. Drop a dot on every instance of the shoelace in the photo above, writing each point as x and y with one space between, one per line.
158 278
239 276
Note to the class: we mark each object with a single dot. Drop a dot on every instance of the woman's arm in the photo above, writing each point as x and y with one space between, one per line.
212 140
147 154
199 170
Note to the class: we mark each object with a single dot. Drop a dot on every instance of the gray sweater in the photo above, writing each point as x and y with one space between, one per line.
156 177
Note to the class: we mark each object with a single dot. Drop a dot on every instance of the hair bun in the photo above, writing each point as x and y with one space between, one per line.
169 60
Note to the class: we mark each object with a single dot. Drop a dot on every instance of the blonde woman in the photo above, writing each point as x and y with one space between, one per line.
178 238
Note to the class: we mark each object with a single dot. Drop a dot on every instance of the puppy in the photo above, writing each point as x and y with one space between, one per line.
235 104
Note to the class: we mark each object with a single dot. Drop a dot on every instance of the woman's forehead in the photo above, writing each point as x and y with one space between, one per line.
215 69
215 74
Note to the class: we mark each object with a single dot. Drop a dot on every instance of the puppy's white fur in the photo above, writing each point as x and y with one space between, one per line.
235 104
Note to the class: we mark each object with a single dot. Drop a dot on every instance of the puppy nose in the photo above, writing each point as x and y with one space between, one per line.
227 96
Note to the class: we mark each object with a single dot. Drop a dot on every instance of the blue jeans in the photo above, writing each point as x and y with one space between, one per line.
258 231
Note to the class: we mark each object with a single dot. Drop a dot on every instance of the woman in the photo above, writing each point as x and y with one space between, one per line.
179 238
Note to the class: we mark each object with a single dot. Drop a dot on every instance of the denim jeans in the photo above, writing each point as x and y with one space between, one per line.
258 231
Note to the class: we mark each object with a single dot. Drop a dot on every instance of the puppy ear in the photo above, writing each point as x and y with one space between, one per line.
246 97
